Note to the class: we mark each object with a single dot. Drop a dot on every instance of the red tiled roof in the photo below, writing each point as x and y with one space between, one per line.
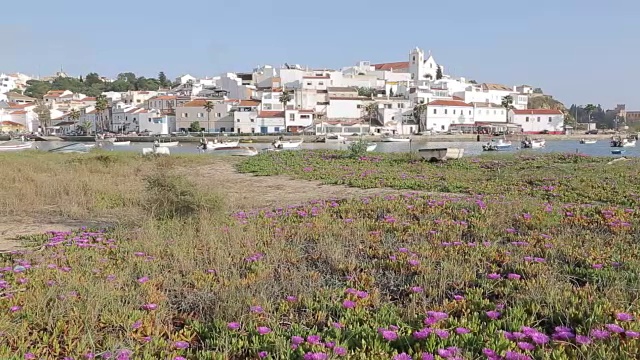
195 103
10 123
249 103
457 98
271 114
392 65
19 112
537 112
54 93
449 103
19 106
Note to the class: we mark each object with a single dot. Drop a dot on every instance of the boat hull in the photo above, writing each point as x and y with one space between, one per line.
168 144
221 145
120 143
586 142
15 146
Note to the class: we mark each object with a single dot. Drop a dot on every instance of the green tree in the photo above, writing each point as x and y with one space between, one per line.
101 107
37 89
371 112
92 78
195 126
208 106
128 77
589 108
507 104
284 99
86 127
418 111
439 73
365 91
74 115
162 79
44 116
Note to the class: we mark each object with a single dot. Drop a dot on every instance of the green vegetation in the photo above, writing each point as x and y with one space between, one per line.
521 267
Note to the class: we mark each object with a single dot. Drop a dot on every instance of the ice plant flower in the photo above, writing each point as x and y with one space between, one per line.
263 330
462 331
256 309
348 304
263 354
181 345
143 279
402 356
15 308
149 306
493 315
624 317
389 335
493 276
233 326
297 340
615 328
339 351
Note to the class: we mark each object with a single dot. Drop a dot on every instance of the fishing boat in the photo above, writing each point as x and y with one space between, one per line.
72 148
588 141
166 143
618 152
236 151
497 145
441 154
533 143
215 144
393 138
334 138
620 142
120 143
15 145
287 144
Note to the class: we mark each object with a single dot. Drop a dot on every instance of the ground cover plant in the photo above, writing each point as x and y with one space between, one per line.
410 276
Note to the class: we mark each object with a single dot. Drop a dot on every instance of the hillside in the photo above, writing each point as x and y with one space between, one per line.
548 102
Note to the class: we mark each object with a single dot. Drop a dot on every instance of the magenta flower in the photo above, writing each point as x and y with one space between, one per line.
417 289
441 333
493 276
614 328
29 356
149 307
256 309
624 317
340 351
348 304
462 331
402 356
263 330
181 345
526 346
389 335
136 325
514 277
493 315
599 334
414 262
297 340
427 356
315 356
632 334
292 298
458 297
263 354
143 279
15 308
583 340
313 339
337 325
233 326
539 338
179 358
422 334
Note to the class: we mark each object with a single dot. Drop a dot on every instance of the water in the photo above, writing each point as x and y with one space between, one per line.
601 148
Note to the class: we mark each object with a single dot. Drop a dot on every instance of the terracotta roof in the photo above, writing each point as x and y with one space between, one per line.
19 106
360 98
392 65
88 98
10 123
249 103
317 77
54 93
15 95
19 112
194 103
537 112
271 114
457 98
449 103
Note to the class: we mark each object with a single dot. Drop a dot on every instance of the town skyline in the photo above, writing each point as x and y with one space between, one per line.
487 44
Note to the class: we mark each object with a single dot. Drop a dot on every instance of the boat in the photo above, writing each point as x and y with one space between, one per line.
588 141
246 141
236 151
393 138
72 148
497 145
620 142
167 143
618 152
287 144
15 145
533 143
156 150
441 154
334 138
120 143
212 145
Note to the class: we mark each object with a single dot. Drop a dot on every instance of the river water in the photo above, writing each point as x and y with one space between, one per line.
601 148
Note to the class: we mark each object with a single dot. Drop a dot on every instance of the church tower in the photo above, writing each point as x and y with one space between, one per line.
416 61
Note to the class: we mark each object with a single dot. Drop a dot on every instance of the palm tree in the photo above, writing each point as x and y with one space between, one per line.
74 115
285 98
101 107
589 109
208 106
418 111
86 126
44 115
507 104
371 109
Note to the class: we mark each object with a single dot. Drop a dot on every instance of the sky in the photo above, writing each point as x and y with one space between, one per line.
579 51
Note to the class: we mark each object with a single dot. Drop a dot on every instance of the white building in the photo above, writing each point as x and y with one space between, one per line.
219 119
422 68
493 93
235 87
164 103
156 122
538 121
440 115
245 113
185 79
125 118
137 98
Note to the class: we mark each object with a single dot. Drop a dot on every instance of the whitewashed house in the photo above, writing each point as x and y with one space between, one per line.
538 121
440 115
137 98
271 122
156 122
185 79
245 113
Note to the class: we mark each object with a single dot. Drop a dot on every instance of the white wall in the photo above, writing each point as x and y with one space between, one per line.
345 109
245 122
537 123
490 114
441 117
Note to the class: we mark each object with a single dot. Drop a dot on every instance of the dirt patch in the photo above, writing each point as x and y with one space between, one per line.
247 191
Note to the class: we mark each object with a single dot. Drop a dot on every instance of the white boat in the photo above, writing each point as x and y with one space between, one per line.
236 151
334 138
393 138
15 146
287 144
618 142
166 144
586 141
533 143
120 143
497 145
212 145
72 148
441 154
156 150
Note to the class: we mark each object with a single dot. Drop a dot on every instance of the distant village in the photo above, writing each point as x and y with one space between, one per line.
399 97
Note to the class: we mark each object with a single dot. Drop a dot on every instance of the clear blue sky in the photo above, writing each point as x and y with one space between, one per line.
580 51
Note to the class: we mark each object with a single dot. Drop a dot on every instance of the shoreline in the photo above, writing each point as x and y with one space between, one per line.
315 138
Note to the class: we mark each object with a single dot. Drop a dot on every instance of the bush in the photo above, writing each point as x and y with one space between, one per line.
173 196
357 148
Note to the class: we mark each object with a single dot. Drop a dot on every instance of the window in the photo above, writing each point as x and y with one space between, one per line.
253 120
400 106
292 117
388 106
304 116
550 119
238 120
454 111
218 115
538 118
185 115
223 129
495 112
469 112
200 115
309 83
231 130
445 111
321 83
435 111
526 119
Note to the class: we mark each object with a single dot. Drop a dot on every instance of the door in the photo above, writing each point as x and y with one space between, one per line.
263 130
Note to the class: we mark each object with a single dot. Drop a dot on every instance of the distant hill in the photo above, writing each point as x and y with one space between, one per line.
540 101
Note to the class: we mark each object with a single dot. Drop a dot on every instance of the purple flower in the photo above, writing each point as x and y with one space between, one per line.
513 355
348 304
427 356
539 338
445 353
632 334
389 335
15 308
414 262
526 346
614 328
402 356
256 309
263 354
136 325
583 340
441 333
313 339
297 340
493 276
180 344
417 289
292 298
599 334
462 331
624 317
315 356
179 358
458 297
263 330
422 334
340 351
233 326
514 277
337 325
29 356
143 279
150 306
493 315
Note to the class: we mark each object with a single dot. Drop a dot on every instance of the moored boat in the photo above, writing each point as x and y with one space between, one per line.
334 138
394 138
623 142
212 145
287 144
15 145
618 152
166 144
497 145
588 141
533 143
